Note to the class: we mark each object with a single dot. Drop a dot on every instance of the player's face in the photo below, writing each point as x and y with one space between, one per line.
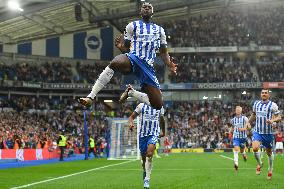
146 11
238 110
265 95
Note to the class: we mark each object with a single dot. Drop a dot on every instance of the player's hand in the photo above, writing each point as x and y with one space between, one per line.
119 41
173 66
268 121
248 126
131 125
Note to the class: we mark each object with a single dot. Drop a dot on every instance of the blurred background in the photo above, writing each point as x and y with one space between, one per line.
52 51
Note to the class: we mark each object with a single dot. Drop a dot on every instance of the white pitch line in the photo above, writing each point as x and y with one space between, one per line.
216 168
227 157
70 175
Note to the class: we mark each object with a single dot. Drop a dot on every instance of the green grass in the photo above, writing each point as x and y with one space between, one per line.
177 171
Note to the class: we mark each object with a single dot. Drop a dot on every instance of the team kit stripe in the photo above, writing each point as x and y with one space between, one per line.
142 120
149 121
146 40
239 122
269 117
140 42
134 36
263 112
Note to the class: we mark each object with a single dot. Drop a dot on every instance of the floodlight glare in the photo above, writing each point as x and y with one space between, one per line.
14 5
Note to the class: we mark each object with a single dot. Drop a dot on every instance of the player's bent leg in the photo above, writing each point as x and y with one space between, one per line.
120 63
149 164
143 161
243 152
131 92
152 96
155 96
255 147
150 150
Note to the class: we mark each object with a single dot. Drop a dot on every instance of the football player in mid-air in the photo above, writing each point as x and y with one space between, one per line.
142 39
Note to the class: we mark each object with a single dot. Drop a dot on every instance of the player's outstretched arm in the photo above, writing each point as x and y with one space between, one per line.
131 120
169 61
275 119
252 118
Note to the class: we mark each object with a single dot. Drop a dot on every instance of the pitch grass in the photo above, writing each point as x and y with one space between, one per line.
177 171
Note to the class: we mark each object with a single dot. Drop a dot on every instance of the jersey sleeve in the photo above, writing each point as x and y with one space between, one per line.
128 31
254 106
163 38
274 109
232 122
138 109
246 119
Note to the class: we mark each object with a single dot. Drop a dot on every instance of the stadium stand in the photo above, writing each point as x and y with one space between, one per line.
238 27
198 70
191 124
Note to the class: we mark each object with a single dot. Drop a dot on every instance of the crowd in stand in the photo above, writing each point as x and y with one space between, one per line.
212 70
54 72
200 124
88 73
238 27
271 70
205 124
29 122
266 25
198 70
216 29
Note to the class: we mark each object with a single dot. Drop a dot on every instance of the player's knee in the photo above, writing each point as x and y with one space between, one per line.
268 151
114 65
156 104
121 64
255 149
150 153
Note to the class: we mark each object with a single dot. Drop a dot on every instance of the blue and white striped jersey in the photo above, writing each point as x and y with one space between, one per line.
145 39
239 122
149 120
263 112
